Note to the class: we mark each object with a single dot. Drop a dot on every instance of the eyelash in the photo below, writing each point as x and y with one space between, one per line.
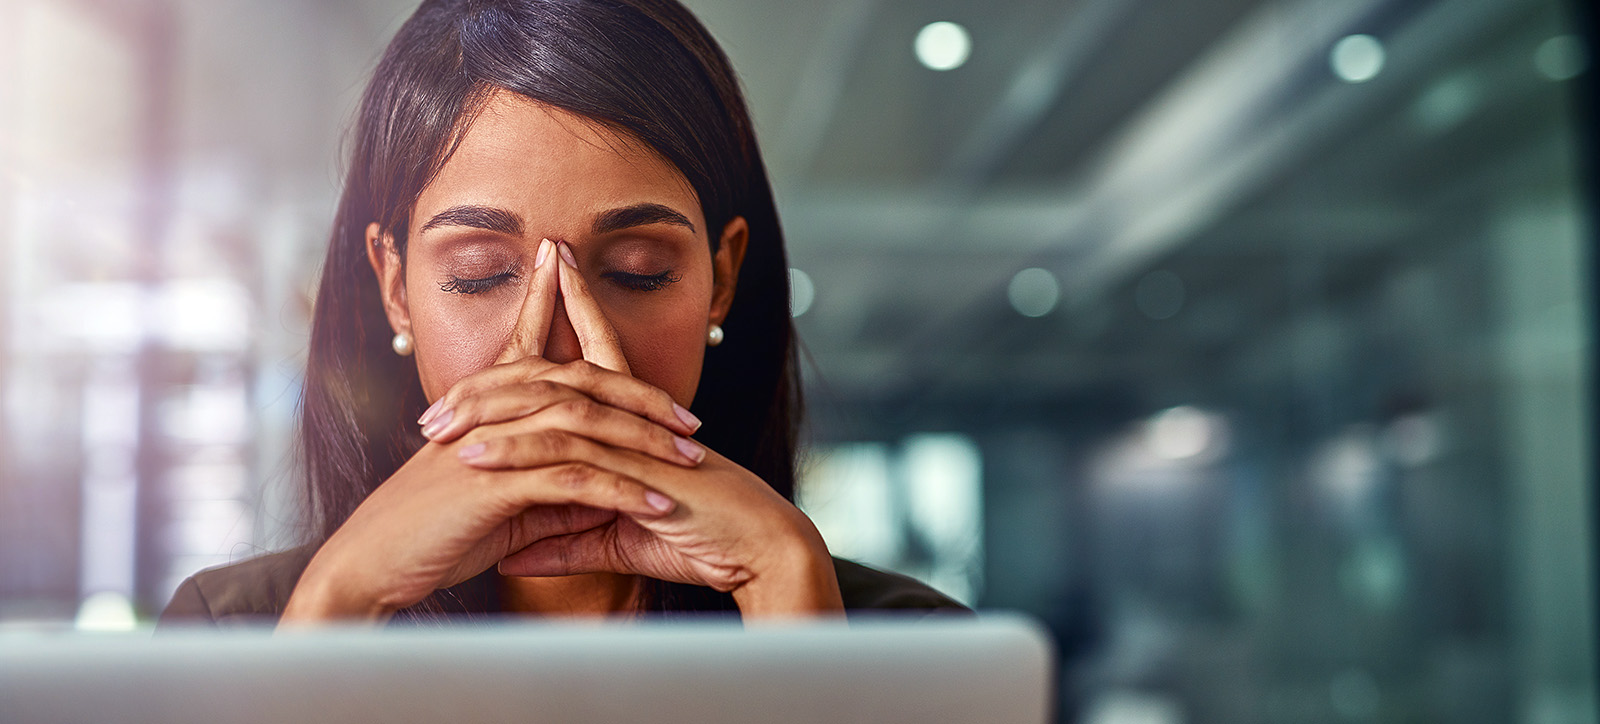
643 282
636 282
458 285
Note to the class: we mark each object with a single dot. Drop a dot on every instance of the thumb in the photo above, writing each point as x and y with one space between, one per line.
546 521
586 551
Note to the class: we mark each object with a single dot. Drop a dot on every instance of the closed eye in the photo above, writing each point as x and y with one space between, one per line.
460 285
642 282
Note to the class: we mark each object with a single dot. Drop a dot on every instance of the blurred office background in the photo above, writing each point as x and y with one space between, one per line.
1244 342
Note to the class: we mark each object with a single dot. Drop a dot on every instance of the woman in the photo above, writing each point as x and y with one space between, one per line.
554 210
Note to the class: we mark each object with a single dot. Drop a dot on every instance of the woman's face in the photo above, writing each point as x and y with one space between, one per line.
525 172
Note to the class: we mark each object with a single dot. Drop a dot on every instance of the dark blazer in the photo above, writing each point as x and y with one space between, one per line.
254 592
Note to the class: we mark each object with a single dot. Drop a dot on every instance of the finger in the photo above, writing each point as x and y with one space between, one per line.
544 405
488 378
596 337
577 483
612 388
538 309
626 392
591 551
511 400
487 450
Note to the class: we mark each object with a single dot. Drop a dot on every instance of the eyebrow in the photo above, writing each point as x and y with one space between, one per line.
644 214
478 217
506 222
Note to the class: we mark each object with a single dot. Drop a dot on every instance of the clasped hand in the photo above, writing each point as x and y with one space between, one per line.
549 469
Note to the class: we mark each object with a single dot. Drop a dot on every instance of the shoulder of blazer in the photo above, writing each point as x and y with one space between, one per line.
254 592
250 592
869 589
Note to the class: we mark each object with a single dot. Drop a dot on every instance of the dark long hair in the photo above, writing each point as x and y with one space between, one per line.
646 68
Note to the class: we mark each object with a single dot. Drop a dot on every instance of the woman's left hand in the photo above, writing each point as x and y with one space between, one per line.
730 530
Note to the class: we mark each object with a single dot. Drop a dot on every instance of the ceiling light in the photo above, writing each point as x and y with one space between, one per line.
1561 58
1034 292
1357 58
943 45
1182 432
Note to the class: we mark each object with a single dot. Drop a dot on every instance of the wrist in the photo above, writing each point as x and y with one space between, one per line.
322 596
797 581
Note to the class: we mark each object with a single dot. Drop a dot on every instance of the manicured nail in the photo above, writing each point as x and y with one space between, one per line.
432 410
544 253
471 451
690 449
438 424
566 254
686 416
658 501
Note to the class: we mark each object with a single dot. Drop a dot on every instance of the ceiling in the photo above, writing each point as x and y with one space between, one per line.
1103 139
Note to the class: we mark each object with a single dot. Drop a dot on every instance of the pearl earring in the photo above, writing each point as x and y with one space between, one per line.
402 344
714 335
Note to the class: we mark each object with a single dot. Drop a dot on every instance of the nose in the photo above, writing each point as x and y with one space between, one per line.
562 345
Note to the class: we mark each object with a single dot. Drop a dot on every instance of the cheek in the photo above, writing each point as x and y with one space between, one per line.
665 348
455 340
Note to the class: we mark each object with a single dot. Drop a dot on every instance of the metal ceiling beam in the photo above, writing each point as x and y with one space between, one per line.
1237 123
1229 125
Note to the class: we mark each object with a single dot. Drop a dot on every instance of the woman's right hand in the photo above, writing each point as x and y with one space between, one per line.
437 521
433 524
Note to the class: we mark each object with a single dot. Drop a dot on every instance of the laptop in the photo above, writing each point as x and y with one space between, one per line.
997 669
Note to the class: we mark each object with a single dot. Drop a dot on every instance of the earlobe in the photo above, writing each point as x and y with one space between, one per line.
386 266
725 267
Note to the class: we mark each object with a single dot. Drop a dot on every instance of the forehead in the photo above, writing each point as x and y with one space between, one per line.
553 166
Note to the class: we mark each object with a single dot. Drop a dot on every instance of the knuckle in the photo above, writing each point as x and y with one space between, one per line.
475 381
528 366
574 476
585 370
543 389
553 443
663 438
467 407
453 396
523 398
581 410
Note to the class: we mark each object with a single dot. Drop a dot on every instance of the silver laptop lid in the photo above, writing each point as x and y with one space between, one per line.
986 669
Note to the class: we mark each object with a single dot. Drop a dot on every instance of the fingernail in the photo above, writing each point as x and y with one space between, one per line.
566 254
690 449
437 425
471 451
658 501
544 253
431 411
686 416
